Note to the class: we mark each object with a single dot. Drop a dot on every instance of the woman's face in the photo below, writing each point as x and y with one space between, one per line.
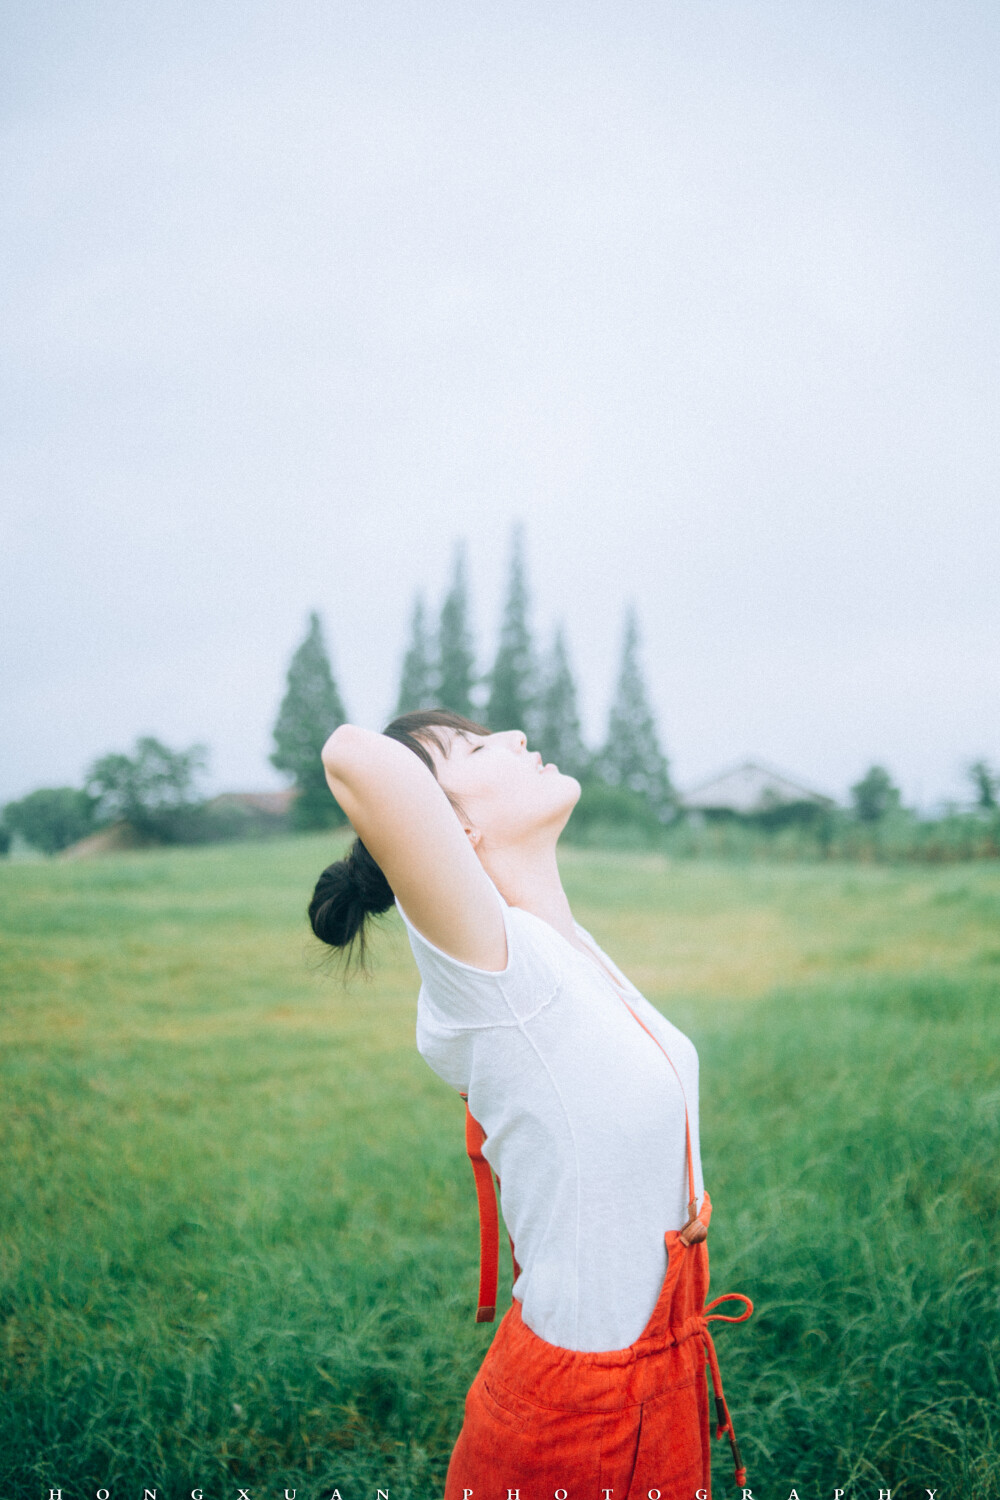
505 791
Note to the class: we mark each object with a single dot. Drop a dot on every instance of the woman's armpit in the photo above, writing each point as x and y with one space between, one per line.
450 960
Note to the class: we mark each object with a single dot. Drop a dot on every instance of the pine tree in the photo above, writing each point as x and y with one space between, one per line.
559 738
310 711
632 756
456 656
513 699
417 683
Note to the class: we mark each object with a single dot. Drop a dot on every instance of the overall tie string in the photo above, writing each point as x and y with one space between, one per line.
725 1421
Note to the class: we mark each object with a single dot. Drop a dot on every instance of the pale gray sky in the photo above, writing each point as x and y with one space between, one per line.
295 295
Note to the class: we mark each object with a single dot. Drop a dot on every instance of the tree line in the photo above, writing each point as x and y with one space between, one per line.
628 795
154 790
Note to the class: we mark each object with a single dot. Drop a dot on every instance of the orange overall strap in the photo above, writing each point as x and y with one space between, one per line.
489 1236
692 1200
489 1224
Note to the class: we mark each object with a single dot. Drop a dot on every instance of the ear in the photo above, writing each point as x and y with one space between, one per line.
473 835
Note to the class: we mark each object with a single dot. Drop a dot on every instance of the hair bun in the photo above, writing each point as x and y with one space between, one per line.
346 893
374 891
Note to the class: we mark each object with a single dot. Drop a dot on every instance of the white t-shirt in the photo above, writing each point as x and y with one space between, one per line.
584 1122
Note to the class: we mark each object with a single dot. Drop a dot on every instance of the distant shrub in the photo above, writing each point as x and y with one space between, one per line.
875 795
614 817
611 817
152 790
51 818
221 821
211 823
901 835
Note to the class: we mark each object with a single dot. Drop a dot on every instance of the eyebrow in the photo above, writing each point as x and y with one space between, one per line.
444 742
469 739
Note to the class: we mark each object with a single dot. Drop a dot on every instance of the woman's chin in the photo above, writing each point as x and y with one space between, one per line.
556 800
570 788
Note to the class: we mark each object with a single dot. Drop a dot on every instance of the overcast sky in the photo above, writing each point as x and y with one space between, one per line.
294 296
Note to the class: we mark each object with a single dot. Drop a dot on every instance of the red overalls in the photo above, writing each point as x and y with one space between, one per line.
625 1424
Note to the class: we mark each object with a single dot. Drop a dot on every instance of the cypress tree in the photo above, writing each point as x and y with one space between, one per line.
417 684
632 756
310 711
513 698
456 656
559 736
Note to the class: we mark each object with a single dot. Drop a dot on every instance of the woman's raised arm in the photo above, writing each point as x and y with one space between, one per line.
410 829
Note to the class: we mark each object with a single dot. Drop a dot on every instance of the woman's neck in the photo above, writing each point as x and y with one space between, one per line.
528 877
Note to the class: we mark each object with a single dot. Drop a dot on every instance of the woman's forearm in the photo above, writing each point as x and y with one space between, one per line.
394 803
368 763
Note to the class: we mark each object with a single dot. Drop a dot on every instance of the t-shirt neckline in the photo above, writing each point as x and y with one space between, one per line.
614 975
616 978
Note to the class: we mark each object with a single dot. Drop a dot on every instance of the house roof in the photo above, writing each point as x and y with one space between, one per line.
276 803
749 788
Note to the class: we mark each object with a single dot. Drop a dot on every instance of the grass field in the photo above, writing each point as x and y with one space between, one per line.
239 1241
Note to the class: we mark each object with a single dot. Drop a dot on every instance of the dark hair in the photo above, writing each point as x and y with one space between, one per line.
352 889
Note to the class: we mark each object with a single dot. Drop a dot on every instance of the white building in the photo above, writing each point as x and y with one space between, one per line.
751 788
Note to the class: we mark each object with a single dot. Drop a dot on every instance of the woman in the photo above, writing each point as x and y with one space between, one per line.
595 1381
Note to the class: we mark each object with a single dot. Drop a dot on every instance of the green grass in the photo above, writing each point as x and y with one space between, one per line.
239 1241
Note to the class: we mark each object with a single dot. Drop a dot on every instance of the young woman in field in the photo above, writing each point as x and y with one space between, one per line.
595 1381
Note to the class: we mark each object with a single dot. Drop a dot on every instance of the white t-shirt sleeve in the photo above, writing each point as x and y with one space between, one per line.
462 996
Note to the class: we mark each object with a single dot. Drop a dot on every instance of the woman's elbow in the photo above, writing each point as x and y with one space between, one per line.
336 753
